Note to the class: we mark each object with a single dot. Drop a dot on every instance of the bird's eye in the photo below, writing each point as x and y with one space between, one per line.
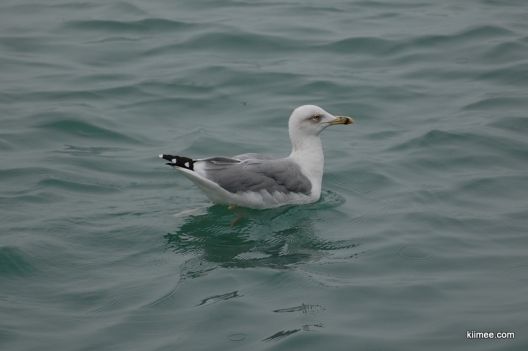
316 118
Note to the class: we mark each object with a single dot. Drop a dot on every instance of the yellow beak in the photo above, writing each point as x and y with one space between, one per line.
342 120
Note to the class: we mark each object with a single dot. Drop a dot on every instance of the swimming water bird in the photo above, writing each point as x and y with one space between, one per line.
258 181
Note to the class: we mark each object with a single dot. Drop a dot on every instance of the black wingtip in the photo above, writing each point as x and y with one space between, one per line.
178 161
166 157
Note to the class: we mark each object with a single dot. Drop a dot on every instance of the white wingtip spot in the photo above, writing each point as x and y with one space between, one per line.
173 160
186 164
160 155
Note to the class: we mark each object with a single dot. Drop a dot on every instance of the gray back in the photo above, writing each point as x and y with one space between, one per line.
282 175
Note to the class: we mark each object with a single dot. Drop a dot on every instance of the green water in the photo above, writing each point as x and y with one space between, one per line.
421 232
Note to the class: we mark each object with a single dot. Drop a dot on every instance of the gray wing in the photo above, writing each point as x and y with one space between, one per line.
252 174
252 156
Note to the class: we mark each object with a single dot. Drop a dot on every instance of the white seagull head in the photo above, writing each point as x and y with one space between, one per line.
309 121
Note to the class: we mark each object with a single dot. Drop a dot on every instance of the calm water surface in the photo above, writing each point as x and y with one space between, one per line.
421 233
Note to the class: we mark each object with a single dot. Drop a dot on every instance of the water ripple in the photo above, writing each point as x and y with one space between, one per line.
85 129
361 45
461 38
14 263
146 25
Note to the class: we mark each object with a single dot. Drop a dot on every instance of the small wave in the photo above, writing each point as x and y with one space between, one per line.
363 179
462 37
5 145
360 45
125 8
30 197
327 86
24 43
85 129
304 308
39 8
390 4
381 46
431 138
328 245
511 187
281 334
76 186
83 95
218 298
506 52
498 102
147 25
19 172
14 262
413 252
514 74
87 150
477 147
502 3
514 124
236 42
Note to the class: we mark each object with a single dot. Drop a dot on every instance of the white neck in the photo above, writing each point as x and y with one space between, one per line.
307 151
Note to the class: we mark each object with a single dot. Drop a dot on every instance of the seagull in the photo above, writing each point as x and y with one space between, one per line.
261 182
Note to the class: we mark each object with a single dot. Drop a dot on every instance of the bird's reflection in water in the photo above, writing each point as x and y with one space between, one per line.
280 239
274 238
258 238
